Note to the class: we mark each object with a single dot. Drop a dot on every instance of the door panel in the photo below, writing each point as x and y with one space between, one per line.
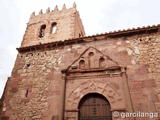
94 107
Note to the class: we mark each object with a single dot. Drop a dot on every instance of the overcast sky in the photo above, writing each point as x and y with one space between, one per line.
98 16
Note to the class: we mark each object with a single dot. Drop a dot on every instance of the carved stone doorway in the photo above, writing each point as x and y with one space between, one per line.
94 107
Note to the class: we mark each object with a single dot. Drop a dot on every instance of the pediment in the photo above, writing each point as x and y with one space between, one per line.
92 59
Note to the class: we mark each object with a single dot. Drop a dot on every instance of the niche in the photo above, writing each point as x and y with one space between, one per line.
102 62
91 59
81 64
91 54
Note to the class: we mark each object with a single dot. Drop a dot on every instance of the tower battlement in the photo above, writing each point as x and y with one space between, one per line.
56 9
53 25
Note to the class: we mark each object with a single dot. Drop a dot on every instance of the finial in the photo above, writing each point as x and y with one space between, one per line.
48 10
64 7
56 8
40 12
74 5
33 14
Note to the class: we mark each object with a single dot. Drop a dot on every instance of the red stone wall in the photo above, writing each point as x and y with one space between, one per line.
2 114
36 88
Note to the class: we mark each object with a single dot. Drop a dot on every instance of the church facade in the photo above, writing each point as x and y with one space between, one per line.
61 74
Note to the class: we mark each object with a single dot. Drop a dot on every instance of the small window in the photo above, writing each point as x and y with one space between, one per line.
102 62
54 25
81 64
42 31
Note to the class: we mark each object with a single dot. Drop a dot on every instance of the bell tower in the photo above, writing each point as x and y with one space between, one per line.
54 25
35 89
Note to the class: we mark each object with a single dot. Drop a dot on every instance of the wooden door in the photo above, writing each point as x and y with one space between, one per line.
94 107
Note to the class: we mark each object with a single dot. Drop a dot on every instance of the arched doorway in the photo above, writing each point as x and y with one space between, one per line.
94 106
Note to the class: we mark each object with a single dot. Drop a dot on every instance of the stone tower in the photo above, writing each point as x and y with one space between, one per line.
61 74
52 26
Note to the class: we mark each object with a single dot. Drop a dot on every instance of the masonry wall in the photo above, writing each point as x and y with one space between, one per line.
35 89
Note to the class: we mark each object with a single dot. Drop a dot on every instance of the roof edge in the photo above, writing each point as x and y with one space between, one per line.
118 33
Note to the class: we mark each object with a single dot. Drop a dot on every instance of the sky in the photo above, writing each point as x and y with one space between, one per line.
98 16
